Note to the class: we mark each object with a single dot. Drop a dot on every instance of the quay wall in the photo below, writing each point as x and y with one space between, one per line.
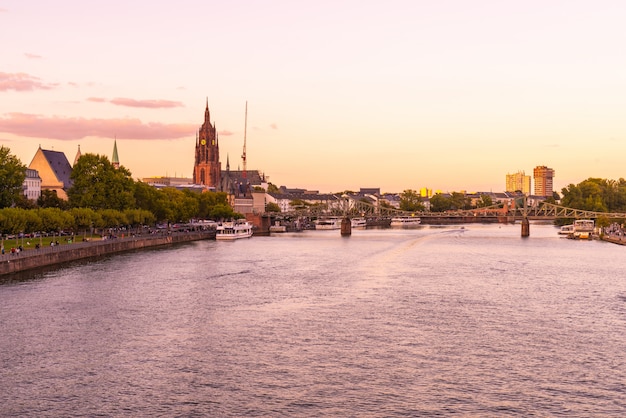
30 259
620 240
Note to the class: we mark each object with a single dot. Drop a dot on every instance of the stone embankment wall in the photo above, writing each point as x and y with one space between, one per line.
30 259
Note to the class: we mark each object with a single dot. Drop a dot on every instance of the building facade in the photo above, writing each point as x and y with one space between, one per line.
518 182
207 167
32 184
543 180
54 170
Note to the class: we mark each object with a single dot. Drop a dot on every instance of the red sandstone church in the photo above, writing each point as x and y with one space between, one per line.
207 170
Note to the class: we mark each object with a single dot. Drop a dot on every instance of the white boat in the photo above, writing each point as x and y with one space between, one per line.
328 223
233 230
277 227
358 222
566 229
583 229
405 221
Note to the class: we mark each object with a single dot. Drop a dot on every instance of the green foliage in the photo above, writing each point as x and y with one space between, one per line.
112 218
485 201
138 217
598 195
13 220
460 202
440 203
50 199
298 204
85 218
12 175
411 201
54 219
272 207
206 202
99 185
272 188
221 211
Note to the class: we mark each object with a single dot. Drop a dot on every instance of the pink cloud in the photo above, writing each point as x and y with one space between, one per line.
96 99
37 126
32 56
274 126
225 133
22 82
151 104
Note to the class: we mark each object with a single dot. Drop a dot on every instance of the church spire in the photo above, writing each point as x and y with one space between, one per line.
115 160
207 115
78 155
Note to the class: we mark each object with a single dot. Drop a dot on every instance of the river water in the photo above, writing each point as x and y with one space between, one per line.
471 320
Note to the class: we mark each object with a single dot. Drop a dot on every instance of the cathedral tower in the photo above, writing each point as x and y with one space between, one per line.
207 167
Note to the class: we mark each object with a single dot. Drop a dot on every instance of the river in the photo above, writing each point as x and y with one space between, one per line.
466 320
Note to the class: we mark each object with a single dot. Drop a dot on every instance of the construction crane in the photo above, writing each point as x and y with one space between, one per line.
243 156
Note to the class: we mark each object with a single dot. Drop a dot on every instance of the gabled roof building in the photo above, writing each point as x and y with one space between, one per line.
54 170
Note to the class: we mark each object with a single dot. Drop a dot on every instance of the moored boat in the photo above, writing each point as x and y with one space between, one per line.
328 223
566 229
405 221
358 222
583 229
233 230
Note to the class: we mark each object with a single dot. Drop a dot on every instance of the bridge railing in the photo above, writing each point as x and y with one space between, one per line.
543 210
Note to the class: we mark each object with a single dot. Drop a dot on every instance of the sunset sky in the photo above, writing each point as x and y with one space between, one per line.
449 94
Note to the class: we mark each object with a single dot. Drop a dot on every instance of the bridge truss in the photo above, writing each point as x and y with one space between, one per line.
348 206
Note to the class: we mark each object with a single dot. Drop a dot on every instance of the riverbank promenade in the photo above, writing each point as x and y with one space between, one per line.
12 262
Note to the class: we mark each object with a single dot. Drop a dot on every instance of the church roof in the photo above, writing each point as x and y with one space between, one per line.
60 166
252 176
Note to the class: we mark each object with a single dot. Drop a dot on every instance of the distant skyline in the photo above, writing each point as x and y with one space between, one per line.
449 95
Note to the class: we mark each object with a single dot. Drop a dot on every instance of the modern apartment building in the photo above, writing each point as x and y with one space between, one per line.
543 180
518 181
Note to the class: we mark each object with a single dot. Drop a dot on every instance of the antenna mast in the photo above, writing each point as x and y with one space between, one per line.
243 156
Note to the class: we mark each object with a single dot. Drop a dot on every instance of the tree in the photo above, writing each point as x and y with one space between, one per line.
208 200
84 219
54 219
485 201
50 199
272 188
440 203
99 185
411 201
12 175
458 201
272 207
221 211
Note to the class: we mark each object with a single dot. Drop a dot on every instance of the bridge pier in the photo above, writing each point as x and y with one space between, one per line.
525 227
346 227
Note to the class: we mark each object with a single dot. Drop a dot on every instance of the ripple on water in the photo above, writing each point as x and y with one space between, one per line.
432 321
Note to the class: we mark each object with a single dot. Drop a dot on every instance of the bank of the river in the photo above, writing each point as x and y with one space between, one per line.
620 240
46 256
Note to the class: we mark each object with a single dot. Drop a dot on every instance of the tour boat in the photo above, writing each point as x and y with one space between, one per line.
329 223
566 229
405 221
233 230
583 229
358 222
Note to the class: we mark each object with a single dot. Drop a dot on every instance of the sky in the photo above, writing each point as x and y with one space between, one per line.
449 95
